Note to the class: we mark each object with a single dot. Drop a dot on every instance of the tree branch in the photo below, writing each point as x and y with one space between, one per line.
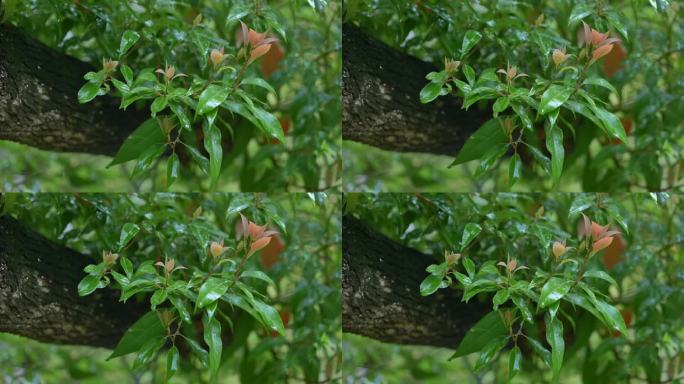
381 297
39 105
382 108
39 298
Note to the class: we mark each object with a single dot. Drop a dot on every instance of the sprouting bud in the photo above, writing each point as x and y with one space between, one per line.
109 65
507 317
451 66
512 263
216 56
255 37
197 213
169 265
255 231
451 258
166 317
597 37
597 230
258 244
258 52
558 56
166 124
587 34
198 20
170 71
216 248
511 72
109 258
601 51
508 125
601 244
559 249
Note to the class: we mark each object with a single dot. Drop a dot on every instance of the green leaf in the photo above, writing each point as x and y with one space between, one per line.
128 232
540 349
148 351
269 316
469 265
172 358
554 290
579 12
601 82
615 22
200 352
469 73
500 105
430 92
158 105
611 315
430 285
89 284
145 136
554 143
255 274
211 290
583 302
127 73
514 362
147 159
610 123
554 335
172 167
470 232
241 303
179 111
514 170
182 309
158 297
524 116
145 329
269 124
211 98
553 98
259 82
128 39
199 158
521 303
489 351
212 336
489 134
212 143
600 275
470 39
489 328
489 159
89 91
127 265
500 297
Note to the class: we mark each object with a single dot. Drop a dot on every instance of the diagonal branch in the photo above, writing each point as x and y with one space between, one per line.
382 108
39 298
39 105
381 298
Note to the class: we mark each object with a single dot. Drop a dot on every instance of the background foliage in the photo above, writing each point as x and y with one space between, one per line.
645 260
293 90
304 267
645 70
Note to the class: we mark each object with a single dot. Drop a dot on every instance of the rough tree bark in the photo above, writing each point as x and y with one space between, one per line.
39 105
381 105
38 295
381 298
